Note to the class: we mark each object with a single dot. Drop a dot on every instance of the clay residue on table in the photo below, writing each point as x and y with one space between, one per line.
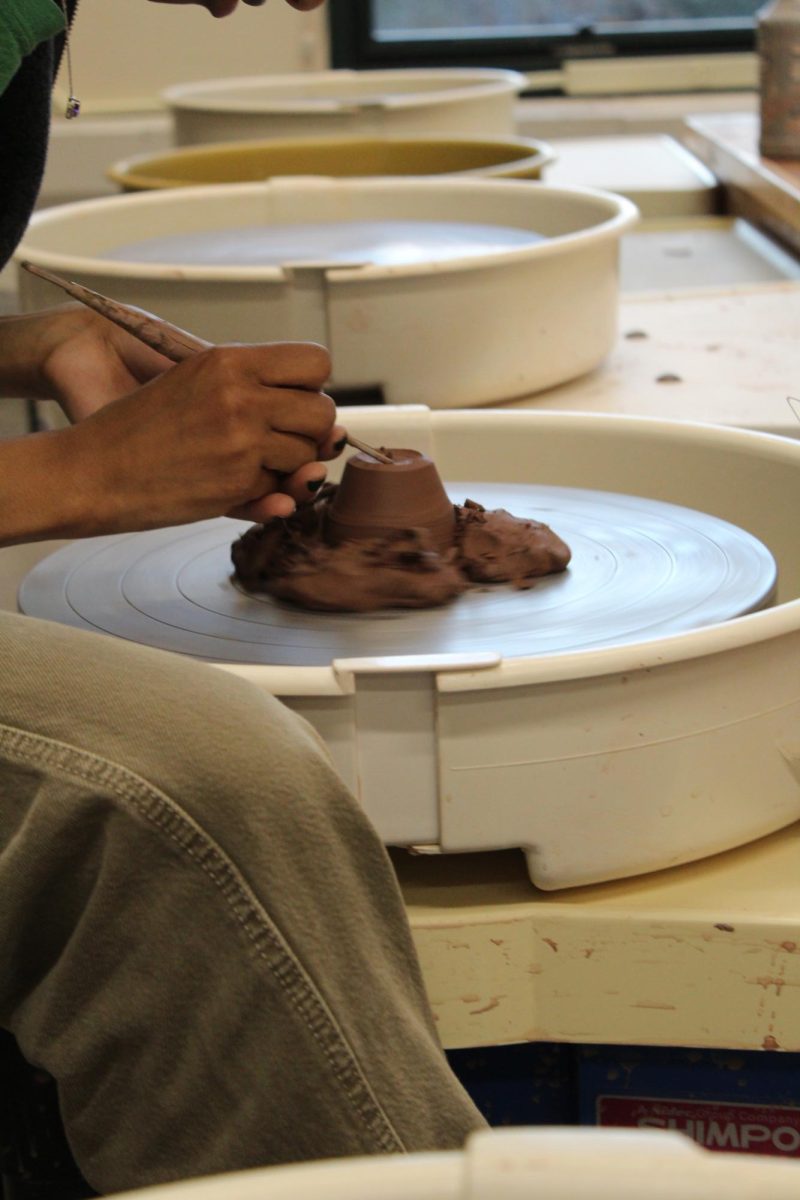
291 560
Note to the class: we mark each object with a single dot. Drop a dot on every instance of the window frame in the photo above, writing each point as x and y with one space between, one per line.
350 22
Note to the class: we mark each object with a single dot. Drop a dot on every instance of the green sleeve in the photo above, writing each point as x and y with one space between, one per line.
23 25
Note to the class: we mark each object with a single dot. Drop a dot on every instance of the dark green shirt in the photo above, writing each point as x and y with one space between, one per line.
23 25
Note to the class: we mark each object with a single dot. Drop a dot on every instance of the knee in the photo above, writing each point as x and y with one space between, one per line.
233 757
208 739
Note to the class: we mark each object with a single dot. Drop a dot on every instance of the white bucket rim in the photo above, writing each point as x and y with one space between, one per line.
616 214
458 83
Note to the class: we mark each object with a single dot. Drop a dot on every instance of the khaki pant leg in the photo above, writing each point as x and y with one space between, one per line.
201 937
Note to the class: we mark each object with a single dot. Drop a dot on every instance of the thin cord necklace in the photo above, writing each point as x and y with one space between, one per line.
73 108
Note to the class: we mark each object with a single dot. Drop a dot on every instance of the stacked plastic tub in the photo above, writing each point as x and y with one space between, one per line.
500 287
334 157
371 103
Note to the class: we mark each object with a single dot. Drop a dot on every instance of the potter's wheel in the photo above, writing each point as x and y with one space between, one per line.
668 733
641 569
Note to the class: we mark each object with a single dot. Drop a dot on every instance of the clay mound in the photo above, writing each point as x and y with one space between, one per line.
389 537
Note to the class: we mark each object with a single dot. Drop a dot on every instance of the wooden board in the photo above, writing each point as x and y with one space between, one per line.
765 190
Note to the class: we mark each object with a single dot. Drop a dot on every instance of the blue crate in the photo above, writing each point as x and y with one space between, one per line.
740 1101
531 1083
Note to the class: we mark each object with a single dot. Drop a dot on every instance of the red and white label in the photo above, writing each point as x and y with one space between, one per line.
714 1124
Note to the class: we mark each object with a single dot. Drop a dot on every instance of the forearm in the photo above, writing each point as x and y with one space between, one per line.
42 494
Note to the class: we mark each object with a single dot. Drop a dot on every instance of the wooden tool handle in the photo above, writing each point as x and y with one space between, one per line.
174 343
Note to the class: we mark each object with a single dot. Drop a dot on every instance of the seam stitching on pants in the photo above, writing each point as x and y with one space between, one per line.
266 938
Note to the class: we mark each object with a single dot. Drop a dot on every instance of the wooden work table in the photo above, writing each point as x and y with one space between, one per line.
707 954
764 190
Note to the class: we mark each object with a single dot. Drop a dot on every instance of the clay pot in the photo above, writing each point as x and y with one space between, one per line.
374 499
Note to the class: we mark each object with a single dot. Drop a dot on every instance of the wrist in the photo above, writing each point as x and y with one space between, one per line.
26 342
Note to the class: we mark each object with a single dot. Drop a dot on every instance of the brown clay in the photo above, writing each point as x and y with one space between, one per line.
375 500
389 537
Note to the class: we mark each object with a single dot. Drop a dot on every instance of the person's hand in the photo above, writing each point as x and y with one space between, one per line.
223 8
88 362
237 430
234 430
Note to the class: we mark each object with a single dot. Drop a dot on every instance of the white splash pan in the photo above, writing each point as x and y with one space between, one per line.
600 763
438 100
464 331
549 1162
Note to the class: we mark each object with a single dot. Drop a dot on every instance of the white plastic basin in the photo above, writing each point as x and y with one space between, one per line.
453 331
438 100
551 1163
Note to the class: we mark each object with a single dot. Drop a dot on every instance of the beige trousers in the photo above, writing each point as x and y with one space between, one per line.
201 937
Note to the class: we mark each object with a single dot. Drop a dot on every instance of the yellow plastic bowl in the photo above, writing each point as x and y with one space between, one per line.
248 162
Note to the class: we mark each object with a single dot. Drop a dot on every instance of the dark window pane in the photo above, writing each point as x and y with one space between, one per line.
531 18
532 34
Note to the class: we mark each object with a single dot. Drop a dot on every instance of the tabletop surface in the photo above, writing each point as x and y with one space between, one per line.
725 355
722 354
655 171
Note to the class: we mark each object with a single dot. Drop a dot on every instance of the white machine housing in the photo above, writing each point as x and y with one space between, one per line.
600 764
